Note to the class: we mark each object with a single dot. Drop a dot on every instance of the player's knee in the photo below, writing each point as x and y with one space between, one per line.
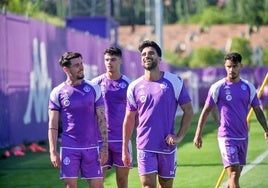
235 175
165 182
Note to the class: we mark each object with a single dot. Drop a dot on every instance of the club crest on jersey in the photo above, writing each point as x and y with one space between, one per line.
243 87
232 150
122 85
163 85
66 161
141 154
142 98
66 102
86 89
141 93
228 93
229 97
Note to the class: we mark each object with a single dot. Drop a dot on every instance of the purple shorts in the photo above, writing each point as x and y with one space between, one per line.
163 164
115 154
84 161
233 151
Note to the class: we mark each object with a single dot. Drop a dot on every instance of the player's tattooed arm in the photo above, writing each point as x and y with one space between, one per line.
100 111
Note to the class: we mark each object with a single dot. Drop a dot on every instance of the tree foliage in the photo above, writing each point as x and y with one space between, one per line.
242 46
206 56
247 11
132 12
211 15
41 10
23 7
265 56
138 11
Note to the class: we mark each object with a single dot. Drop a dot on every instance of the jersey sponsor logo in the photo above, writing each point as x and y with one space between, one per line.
227 92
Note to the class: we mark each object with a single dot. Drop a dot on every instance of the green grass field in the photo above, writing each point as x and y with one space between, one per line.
196 168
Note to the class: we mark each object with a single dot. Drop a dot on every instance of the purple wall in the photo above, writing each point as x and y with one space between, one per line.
104 26
29 70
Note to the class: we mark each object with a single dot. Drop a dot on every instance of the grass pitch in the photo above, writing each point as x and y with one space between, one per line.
196 168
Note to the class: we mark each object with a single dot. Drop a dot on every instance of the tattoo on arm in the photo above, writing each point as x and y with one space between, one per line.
102 125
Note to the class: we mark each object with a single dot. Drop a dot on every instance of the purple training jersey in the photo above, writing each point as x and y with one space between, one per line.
234 101
76 105
156 103
114 94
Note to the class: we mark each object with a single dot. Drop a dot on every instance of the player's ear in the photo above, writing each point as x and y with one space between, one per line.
65 69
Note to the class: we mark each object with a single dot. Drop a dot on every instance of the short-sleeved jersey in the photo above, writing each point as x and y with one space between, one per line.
114 94
156 103
233 101
77 107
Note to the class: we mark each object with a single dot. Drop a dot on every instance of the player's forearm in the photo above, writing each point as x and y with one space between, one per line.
186 119
53 126
102 126
201 122
185 123
128 126
261 118
52 138
262 121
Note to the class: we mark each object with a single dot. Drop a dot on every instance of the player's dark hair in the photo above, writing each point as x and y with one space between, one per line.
64 60
233 57
113 51
148 43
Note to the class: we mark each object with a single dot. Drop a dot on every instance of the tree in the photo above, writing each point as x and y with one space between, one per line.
242 46
265 56
211 15
247 11
206 56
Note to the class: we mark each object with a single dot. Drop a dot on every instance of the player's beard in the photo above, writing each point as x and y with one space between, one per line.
233 76
80 77
151 66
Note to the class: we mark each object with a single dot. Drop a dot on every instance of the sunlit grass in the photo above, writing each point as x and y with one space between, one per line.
196 168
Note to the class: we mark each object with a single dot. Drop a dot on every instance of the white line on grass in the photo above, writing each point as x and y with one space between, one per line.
254 163
258 160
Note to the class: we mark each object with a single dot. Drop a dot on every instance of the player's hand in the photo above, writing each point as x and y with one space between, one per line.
172 139
266 136
198 142
126 159
55 159
103 158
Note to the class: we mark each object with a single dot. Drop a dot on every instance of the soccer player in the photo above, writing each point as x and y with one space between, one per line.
114 90
154 97
79 105
233 96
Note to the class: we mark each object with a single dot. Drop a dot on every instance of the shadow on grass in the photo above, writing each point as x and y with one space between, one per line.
32 163
28 162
